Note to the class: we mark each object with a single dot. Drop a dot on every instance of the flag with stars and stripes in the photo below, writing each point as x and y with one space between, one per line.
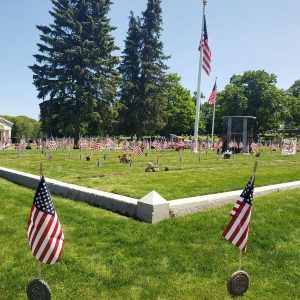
237 230
44 231
158 146
213 95
137 150
205 48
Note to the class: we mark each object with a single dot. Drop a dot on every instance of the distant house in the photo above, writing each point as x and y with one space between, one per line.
5 129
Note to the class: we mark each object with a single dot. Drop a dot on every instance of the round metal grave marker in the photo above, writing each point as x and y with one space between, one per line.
38 290
238 283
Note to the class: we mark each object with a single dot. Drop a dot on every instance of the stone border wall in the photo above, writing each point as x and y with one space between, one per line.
113 202
152 208
187 206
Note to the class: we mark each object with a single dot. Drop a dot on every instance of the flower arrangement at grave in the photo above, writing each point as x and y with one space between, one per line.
227 154
151 167
125 158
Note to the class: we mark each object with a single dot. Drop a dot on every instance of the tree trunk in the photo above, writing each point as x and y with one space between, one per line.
76 133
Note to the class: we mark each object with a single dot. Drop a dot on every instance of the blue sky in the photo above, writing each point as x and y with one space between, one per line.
243 35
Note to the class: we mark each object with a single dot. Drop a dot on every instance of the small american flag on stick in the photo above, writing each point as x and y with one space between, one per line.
44 231
96 146
158 146
137 150
237 230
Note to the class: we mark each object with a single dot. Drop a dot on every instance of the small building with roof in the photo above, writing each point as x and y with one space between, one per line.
5 129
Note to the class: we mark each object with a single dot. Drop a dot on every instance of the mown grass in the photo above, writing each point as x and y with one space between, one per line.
108 256
194 175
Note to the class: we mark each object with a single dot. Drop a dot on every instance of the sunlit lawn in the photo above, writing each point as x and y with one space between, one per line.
193 175
108 256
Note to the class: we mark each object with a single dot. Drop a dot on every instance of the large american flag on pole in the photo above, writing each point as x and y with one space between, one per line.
44 231
205 48
237 230
213 95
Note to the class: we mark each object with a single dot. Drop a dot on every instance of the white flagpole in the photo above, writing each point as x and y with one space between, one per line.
213 121
196 128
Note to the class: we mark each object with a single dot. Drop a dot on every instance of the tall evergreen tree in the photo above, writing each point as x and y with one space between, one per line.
130 68
151 111
75 70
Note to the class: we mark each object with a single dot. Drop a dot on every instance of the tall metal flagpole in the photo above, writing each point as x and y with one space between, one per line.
196 128
213 121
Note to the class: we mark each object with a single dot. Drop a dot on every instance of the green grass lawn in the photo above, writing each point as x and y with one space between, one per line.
108 256
190 177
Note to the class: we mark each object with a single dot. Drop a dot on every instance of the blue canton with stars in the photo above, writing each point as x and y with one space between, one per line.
42 199
247 193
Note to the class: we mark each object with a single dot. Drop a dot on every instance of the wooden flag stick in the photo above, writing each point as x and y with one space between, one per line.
39 270
255 167
241 251
39 263
240 260
41 169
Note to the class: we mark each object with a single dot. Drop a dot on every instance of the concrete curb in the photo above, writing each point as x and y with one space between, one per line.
181 207
151 209
113 202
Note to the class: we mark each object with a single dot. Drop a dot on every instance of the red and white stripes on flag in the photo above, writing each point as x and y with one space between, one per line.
137 150
206 64
237 230
52 144
96 146
213 95
44 231
158 146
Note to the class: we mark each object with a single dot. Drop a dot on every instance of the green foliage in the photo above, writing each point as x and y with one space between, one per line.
130 69
294 90
24 127
254 94
293 106
180 107
142 94
152 109
108 256
75 71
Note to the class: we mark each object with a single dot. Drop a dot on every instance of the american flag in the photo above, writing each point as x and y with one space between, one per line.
236 231
44 231
125 145
205 48
52 144
137 150
96 146
83 144
21 145
213 95
158 146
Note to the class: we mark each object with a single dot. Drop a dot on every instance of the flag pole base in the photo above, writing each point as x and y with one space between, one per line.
238 283
38 289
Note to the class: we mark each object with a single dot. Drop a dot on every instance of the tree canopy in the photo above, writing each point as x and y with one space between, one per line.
86 89
254 94
75 70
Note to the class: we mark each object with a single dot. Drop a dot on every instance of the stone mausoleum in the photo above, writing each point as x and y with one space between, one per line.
5 129
241 129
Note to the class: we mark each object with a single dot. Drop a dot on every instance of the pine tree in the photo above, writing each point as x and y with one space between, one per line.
130 74
75 71
152 109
